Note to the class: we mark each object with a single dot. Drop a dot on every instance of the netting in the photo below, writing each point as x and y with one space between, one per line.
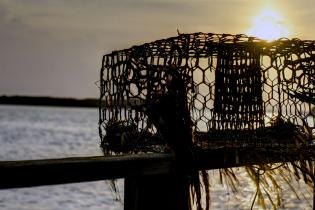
240 91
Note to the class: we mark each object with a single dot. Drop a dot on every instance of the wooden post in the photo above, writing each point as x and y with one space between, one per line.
157 192
170 115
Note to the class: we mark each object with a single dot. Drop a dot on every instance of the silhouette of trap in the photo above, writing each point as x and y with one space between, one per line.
240 92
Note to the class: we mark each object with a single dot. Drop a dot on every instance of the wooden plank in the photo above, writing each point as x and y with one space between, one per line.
237 157
82 169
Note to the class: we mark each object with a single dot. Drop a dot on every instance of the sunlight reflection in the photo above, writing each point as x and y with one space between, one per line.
269 24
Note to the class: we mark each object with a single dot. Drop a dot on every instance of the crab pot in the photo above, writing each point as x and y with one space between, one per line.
240 91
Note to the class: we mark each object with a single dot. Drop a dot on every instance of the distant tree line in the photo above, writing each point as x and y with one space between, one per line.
49 101
67 102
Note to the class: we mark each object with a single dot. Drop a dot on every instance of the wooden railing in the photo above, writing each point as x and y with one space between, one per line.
139 171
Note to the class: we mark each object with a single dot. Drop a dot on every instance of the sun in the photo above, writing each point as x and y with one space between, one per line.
269 25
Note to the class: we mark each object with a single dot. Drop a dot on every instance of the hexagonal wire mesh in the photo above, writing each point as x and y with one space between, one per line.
241 91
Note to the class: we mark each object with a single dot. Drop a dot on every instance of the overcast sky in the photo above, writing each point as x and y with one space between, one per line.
55 47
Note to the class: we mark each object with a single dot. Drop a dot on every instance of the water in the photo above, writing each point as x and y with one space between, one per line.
47 132
28 132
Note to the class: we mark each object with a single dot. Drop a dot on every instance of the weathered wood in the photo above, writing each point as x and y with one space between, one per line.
154 192
227 158
29 173
80 169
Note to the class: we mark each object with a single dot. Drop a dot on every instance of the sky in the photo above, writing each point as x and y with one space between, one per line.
55 47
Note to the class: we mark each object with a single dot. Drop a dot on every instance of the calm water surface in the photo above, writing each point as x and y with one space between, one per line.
28 132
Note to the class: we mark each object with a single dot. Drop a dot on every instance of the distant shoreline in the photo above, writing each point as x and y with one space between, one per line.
58 101
48 101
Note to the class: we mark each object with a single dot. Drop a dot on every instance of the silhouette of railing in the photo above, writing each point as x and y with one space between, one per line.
145 169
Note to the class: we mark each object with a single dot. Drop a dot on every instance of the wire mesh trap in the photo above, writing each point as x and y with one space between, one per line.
240 91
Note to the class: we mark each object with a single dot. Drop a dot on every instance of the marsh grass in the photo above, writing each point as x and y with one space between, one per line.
269 181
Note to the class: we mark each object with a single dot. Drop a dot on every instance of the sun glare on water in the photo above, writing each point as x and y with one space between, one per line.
269 25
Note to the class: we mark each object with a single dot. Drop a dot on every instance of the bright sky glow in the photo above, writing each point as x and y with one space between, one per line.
269 25
58 45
